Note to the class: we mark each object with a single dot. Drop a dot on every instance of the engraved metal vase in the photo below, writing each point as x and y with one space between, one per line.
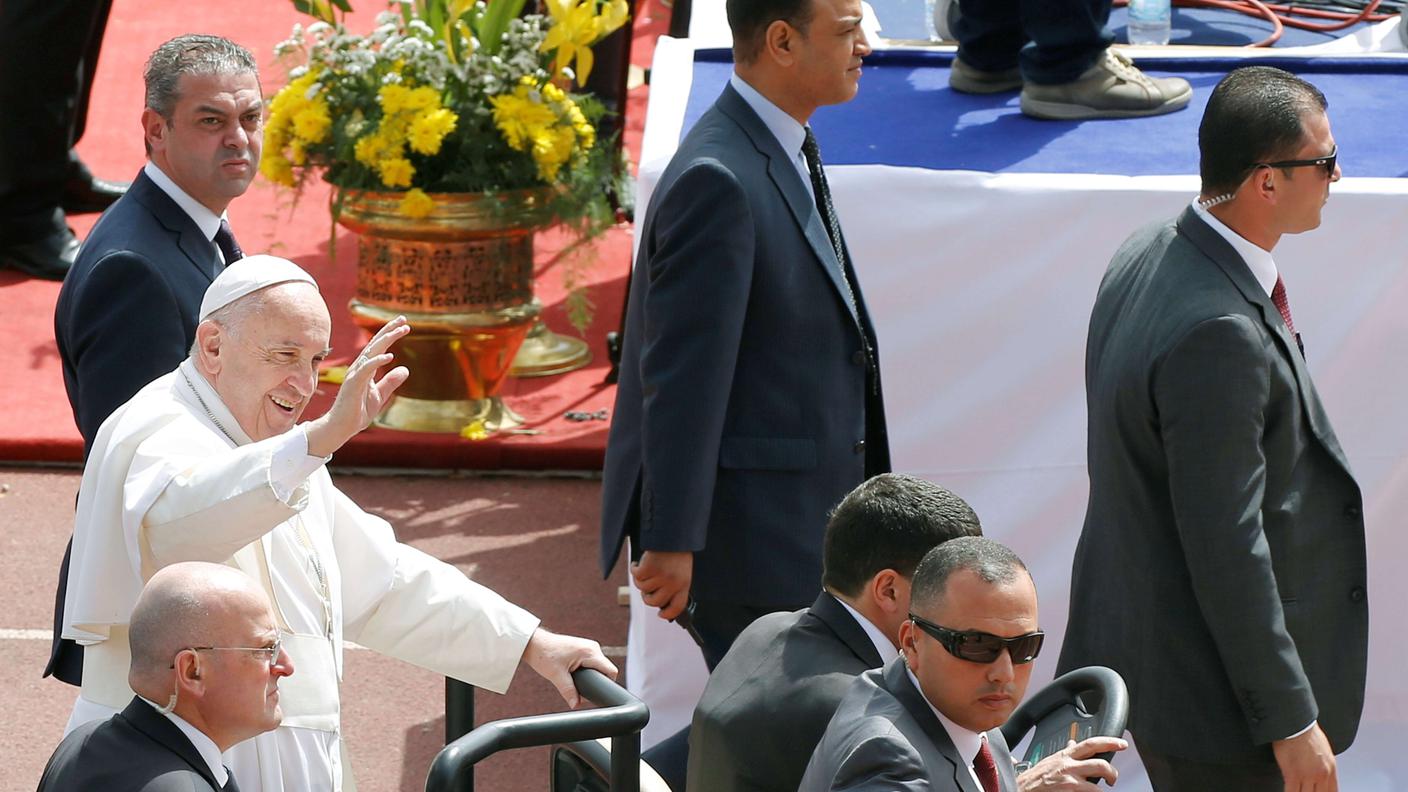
463 276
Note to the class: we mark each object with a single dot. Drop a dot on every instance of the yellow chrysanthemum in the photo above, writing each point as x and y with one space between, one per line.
372 149
396 171
400 99
417 203
428 130
551 150
277 169
520 118
312 122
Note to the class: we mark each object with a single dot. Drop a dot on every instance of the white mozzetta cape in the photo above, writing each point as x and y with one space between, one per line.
164 484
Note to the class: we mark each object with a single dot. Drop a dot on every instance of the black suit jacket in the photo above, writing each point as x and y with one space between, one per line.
1221 570
746 408
769 700
884 736
126 315
136 750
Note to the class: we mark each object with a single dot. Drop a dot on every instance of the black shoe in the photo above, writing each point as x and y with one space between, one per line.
48 258
91 194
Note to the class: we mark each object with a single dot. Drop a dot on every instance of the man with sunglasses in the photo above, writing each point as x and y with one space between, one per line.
769 700
1221 570
929 719
206 665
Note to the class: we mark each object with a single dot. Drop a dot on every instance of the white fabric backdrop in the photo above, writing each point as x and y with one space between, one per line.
981 286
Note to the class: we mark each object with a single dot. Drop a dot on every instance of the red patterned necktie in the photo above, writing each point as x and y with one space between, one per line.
1278 297
986 769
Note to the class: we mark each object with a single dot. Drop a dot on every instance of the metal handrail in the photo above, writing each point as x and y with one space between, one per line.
619 716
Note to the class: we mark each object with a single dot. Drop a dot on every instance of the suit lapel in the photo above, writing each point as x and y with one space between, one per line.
835 616
1216 248
897 682
200 252
163 732
788 181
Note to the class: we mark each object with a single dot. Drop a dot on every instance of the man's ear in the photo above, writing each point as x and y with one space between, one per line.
884 590
911 652
190 684
154 128
210 340
779 40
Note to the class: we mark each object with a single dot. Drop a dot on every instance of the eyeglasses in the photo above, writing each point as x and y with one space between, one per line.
1327 162
981 647
269 654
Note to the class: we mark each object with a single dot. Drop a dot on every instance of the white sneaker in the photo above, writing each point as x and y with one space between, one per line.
1112 88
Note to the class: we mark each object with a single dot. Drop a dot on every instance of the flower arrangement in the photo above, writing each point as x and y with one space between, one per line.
445 96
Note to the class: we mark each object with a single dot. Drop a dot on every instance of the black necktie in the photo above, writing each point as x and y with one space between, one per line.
822 193
230 785
225 240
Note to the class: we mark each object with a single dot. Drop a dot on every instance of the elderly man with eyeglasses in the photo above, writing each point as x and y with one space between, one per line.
929 719
206 666
211 463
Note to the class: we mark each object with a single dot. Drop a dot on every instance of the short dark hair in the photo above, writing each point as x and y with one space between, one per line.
1255 114
749 20
991 561
890 522
195 54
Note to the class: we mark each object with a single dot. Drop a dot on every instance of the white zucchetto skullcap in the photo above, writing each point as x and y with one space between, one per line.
249 275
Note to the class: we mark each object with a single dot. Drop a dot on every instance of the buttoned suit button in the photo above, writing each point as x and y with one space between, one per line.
1356 594
859 447
858 357
1352 510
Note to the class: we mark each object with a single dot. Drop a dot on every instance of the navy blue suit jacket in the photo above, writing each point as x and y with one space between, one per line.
126 315
136 750
746 409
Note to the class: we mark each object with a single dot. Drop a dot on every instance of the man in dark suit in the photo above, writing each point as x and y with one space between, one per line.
768 701
206 664
749 400
1221 570
127 310
929 719
48 56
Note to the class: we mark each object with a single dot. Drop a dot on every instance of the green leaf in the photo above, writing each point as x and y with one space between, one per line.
495 23
343 6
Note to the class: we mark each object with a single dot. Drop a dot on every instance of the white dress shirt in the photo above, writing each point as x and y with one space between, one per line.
204 745
886 649
790 134
200 214
1258 260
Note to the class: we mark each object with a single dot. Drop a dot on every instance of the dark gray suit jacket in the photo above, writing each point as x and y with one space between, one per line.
746 408
126 315
884 736
136 750
768 702
1221 570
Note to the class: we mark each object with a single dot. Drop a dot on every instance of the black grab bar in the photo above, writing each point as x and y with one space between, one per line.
619 715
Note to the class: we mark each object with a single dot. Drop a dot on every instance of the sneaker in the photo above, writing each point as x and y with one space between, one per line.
1112 88
945 15
966 79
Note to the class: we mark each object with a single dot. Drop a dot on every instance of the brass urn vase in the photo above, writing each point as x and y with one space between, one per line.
463 277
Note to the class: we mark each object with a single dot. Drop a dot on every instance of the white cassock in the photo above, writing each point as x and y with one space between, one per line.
171 477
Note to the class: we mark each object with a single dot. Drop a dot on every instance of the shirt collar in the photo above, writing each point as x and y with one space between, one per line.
967 743
1259 261
204 219
204 745
784 127
883 646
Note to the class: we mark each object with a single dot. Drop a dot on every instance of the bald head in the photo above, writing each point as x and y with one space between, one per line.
185 605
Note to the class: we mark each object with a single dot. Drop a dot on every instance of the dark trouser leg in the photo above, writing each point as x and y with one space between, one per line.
989 33
48 50
1064 38
719 623
670 758
1176 774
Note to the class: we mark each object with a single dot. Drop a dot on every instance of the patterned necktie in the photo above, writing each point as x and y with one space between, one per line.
822 193
225 240
230 785
986 769
1278 297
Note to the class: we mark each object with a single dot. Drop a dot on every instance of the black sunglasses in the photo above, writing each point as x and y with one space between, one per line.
981 647
1327 162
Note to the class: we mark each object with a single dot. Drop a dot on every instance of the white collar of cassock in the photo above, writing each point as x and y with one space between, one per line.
207 402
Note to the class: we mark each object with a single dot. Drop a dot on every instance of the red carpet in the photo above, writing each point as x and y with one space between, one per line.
36 424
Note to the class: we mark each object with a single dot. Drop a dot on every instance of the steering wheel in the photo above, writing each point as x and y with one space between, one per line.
1087 702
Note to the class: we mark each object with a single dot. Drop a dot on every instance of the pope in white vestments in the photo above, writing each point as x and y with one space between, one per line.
208 463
